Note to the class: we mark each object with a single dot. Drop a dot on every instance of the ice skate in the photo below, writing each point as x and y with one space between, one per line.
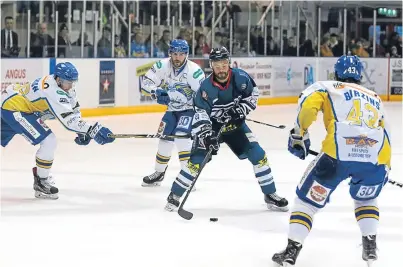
369 249
173 202
154 179
289 256
275 202
44 187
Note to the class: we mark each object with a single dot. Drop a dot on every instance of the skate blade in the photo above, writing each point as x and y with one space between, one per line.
46 196
156 184
283 264
370 263
276 208
170 207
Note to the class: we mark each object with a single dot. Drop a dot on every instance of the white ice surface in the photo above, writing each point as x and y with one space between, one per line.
105 218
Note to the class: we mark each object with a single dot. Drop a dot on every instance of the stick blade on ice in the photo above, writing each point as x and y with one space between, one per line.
185 214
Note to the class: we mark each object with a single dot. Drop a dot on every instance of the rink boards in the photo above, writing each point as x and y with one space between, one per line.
112 86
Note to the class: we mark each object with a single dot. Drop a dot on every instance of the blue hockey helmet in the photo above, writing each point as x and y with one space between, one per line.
178 46
348 68
66 72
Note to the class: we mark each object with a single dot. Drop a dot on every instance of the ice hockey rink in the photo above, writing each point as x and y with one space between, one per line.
105 218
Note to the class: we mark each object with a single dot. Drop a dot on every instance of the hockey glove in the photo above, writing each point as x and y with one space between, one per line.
100 134
238 112
162 96
82 139
206 139
299 145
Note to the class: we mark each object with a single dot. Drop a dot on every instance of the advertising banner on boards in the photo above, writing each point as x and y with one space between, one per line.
260 69
107 82
291 75
396 79
22 70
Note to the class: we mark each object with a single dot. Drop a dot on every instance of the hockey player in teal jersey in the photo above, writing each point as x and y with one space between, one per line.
226 97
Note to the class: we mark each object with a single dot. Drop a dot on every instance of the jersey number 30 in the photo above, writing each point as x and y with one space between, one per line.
355 116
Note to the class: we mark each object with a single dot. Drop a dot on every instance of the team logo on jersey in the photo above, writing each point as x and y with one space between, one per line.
360 141
184 89
63 100
204 95
318 193
338 85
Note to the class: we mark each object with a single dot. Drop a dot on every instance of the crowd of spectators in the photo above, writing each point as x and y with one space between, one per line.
42 44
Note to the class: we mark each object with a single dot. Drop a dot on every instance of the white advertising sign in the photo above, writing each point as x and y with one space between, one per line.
396 78
22 70
292 75
374 75
260 69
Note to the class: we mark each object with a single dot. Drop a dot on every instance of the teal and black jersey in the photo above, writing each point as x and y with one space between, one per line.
213 99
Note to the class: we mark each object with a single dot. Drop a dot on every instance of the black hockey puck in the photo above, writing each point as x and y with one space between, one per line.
213 219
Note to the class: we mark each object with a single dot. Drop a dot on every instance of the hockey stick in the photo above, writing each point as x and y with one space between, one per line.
182 212
267 124
314 153
148 136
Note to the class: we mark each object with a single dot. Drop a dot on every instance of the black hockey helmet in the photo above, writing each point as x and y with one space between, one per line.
219 54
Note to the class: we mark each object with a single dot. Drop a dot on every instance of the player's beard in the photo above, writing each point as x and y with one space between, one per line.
222 76
178 63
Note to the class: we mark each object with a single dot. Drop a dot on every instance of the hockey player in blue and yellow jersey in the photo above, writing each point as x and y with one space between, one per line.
25 107
226 97
357 145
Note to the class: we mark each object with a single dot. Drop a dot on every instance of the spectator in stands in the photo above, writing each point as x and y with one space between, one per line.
380 50
336 44
186 34
86 42
9 39
291 49
42 44
182 34
359 50
136 28
196 35
217 40
393 52
104 44
399 47
138 48
306 49
120 51
63 41
163 43
224 40
156 49
325 50
393 40
272 47
202 48
89 51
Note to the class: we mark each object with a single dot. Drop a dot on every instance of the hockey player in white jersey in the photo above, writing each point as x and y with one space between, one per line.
173 82
357 145
24 107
